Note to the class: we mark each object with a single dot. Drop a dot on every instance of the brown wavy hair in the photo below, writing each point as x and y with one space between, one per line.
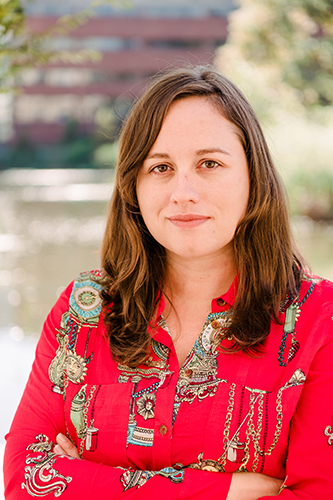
134 262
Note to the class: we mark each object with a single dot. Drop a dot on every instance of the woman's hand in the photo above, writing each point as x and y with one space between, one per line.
65 447
251 486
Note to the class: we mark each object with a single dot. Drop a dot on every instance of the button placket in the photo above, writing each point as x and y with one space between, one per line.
163 416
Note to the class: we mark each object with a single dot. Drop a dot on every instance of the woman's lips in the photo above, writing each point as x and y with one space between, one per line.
188 220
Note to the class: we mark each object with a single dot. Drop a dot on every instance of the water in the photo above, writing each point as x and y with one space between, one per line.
51 227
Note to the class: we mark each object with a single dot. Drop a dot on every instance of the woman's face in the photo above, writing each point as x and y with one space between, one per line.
193 187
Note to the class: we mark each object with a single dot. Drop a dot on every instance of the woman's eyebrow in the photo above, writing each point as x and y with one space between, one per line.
157 155
200 152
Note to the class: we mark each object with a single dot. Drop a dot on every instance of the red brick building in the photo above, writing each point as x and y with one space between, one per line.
133 45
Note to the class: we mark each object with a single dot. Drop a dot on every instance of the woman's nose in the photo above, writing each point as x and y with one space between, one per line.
185 189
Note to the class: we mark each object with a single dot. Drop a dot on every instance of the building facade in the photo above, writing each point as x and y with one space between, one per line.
128 43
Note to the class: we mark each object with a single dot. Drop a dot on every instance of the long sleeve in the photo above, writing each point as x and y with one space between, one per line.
32 469
309 467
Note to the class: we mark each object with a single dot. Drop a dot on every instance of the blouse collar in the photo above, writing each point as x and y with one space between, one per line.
218 304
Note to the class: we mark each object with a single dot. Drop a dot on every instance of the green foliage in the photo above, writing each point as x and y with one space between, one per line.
11 25
290 43
106 155
302 149
280 53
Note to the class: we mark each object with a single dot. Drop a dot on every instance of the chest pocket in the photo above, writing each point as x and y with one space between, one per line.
97 420
252 431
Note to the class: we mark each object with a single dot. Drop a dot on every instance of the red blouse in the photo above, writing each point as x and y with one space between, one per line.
171 432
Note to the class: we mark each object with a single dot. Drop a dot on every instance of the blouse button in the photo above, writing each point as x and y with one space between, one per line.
188 373
216 325
163 429
220 302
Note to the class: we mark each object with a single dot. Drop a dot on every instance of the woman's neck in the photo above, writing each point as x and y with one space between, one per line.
190 286
203 278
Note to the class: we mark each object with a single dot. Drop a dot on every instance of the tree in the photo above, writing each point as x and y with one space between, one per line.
285 46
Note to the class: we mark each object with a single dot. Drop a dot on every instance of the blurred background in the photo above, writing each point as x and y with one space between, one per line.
70 71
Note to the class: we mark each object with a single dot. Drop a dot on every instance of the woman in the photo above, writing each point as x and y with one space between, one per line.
213 351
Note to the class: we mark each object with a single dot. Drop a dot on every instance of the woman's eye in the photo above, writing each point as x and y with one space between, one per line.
210 164
160 169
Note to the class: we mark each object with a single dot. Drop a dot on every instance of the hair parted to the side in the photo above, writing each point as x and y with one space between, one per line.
134 262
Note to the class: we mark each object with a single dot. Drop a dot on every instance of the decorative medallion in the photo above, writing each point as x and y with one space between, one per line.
146 405
85 301
76 367
84 311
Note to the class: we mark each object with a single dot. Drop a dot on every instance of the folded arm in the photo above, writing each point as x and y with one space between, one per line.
33 469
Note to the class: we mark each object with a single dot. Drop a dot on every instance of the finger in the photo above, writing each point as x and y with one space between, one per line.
67 446
58 450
